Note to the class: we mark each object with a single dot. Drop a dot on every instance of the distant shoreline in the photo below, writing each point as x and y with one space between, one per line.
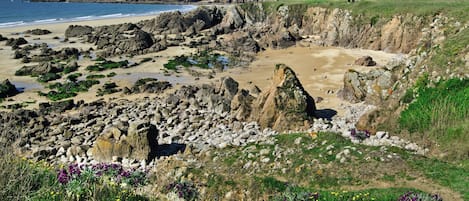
90 17
202 2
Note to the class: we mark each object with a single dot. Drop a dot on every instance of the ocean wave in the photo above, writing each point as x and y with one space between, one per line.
84 17
12 24
116 15
45 21
183 9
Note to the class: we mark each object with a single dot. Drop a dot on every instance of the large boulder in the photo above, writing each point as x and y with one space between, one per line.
239 44
40 69
241 105
232 20
372 87
138 143
15 42
141 40
78 31
7 89
285 105
149 85
365 61
38 32
3 38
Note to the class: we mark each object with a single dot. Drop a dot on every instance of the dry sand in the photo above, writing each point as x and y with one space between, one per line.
320 69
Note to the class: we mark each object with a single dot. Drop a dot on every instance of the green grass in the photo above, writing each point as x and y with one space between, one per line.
451 52
387 8
446 174
22 179
312 166
441 114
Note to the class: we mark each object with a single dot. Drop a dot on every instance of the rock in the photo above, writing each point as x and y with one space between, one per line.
285 105
78 31
241 105
16 42
382 135
38 32
150 85
365 61
139 143
372 87
3 38
240 44
177 22
56 107
232 20
7 89
40 69
229 87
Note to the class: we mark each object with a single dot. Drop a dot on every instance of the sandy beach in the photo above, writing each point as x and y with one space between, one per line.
320 69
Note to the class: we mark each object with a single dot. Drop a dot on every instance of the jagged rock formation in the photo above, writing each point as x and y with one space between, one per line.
78 31
148 85
138 142
176 22
40 69
285 105
372 87
7 89
15 42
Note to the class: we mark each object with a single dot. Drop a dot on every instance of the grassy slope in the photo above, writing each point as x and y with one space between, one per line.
441 115
312 166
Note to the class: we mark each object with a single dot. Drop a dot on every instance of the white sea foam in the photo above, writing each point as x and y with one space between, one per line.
184 9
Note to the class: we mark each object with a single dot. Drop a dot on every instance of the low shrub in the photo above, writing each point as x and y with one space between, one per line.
48 77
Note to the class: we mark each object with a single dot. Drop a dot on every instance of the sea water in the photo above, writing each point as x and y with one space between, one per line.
21 12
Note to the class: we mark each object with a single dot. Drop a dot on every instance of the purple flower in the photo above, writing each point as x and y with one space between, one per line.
63 176
74 169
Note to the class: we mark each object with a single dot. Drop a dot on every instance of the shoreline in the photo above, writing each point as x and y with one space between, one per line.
80 19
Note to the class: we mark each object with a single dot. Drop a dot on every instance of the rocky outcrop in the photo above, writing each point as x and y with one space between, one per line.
125 38
56 107
7 89
285 105
239 44
138 142
148 85
38 32
2 38
365 61
177 22
372 87
15 42
78 31
40 69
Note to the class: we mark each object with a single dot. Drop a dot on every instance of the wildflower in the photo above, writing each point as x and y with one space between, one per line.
63 176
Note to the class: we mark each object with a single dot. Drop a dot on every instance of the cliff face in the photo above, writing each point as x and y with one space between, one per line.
337 27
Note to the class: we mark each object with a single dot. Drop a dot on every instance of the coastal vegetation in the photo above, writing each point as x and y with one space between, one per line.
65 90
427 104
203 59
102 64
